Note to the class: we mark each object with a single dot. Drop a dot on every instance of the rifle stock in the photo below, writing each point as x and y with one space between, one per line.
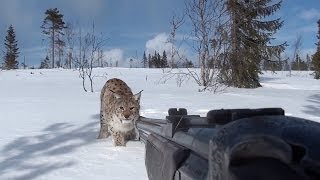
230 144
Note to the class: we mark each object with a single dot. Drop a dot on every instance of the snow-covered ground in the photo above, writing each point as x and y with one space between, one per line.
49 124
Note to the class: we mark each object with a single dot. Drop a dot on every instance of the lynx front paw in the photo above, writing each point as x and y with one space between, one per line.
104 133
118 139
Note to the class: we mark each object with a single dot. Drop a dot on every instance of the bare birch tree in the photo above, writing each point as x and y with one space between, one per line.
90 47
175 23
70 42
297 44
209 36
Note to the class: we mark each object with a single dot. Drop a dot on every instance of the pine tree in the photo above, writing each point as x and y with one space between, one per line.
250 36
318 37
149 61
154 60
298 64
12 50
158 60
316 57
45 63
303 66
53 26
187 64
144 60
164 60
295 63
272 65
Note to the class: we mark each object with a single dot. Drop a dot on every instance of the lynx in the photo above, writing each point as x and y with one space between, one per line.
119 112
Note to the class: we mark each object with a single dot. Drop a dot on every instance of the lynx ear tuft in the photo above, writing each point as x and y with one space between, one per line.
137 96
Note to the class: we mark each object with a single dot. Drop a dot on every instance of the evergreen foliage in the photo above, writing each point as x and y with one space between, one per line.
149 61
53 26
250 38
144 60
158 61
164 60
298 64
315 63
273 65
45 64
12 50
187 64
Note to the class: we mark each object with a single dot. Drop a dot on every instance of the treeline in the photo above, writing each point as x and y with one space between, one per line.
233 49
298 64
156 60
68 46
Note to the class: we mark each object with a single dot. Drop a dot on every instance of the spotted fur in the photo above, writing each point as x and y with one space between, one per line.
119 112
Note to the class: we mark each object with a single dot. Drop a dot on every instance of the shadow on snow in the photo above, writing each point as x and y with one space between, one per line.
314 108
56 139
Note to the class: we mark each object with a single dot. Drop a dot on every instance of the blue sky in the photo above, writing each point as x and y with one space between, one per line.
133 26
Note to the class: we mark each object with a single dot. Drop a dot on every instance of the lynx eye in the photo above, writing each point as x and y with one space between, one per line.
122 108
131 108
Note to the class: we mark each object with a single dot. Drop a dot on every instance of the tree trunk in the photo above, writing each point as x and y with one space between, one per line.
52 39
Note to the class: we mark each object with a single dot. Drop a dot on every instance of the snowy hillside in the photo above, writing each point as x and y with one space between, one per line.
49 124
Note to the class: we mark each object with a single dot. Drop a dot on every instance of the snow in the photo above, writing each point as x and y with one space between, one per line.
49 124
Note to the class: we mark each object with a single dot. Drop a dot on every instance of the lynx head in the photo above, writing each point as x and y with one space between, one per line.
127 107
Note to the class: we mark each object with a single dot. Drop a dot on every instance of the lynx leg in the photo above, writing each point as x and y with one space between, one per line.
104 132
133 135
118 139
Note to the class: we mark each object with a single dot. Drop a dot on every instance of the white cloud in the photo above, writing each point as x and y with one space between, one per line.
310 14
113 56
159 43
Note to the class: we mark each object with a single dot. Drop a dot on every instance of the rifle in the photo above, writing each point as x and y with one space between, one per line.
230 144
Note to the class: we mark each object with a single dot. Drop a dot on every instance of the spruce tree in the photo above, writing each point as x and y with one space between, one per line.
158 60
149 61
250 37
164 60
316 57
53 26
144 60
187 63
45 63
12 50
295 64
154 60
